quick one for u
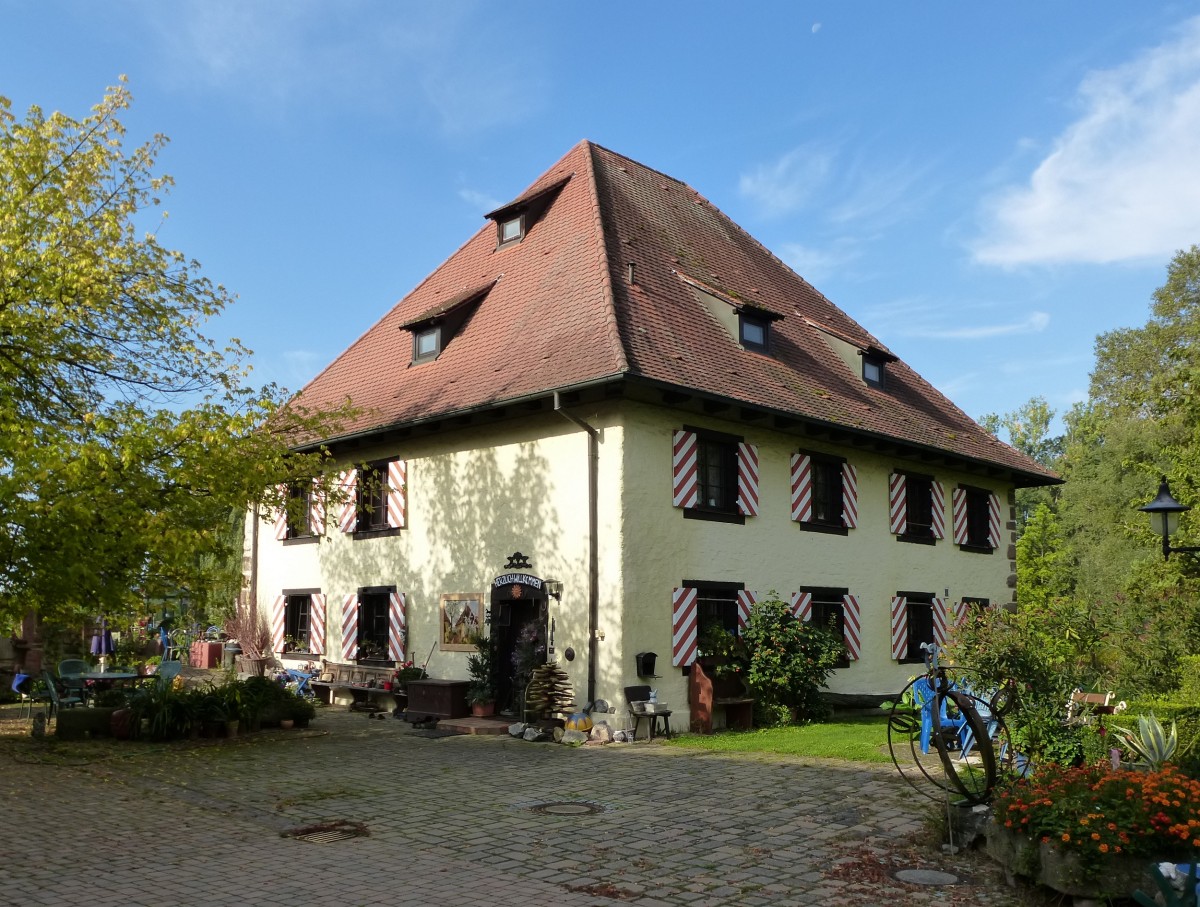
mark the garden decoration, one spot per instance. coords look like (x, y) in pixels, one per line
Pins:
(942, 710)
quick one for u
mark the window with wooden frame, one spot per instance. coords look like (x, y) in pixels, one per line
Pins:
(299, 510)
(510, 230)
(714, 476)
(917, 507)
(828, 610)
(377, 497)
(297, 622)
(920, 619)
(824, 493)
(873, 370)
(754, 331)
(373, 605)
(976, 519)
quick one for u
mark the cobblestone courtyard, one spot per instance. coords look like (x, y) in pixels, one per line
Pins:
(459, 821)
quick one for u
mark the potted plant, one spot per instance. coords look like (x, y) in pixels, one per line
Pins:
(254, 636)
(405, 672)
(481, 693)
(298, 710)
(372, 653)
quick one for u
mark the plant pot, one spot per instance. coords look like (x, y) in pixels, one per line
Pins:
(1116, 875)
(122, 724)
(483, 709)
(231, 728)
(287, 723)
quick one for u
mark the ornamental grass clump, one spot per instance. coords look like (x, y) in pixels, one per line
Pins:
(1096, 811)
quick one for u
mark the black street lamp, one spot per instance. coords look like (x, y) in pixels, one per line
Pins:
(1164, 513)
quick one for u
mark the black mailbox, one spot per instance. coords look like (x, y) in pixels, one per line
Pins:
(645, 663)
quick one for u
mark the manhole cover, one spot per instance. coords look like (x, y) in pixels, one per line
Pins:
(568, 808)
(327, 832)
(925, 877)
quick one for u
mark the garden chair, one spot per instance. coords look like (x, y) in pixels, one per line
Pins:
(637, 697)
(29, 689)
(69, 670)
(58, 699)
(300, 681)
(966, 736)
(924, 698)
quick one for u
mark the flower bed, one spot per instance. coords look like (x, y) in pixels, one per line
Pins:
(1065, 825)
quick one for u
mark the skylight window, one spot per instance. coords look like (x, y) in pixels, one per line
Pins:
(427, 343)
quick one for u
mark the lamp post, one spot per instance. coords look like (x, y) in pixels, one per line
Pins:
(1164, 513)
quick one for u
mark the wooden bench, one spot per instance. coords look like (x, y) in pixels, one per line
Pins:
(1083, 707)
(729, 694)
(364, 683)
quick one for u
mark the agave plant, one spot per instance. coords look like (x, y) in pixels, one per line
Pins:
(1151, 744)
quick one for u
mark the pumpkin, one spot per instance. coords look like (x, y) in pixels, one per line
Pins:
(579, 721)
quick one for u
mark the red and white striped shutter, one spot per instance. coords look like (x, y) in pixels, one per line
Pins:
(316, 624)
(958, 509)
(853, 626)
(348, 518)
(281, 526)
(683, 626)
(747, 498)
(316, 510)
(397, 496)
(960, 613)
(397, 626)
(685, 470)
(802, 606)
(849, 496)
(350, 627)
(938, 496)
(801, 488)
(745, 601)
(899, 627)
(898, 503)
(278, 622)
(993, 521)
(939, 621)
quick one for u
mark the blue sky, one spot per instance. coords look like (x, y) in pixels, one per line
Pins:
(985, 187)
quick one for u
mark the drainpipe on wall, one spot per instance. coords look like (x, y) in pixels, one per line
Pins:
(593, 540)
(254, 568)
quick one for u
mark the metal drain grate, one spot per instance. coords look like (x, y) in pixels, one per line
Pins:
(327, 832)
(568, 808)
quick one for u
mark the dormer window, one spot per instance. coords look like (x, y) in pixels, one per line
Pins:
(872, 370)
(427, 343)
(754, 331)
(512, 229)
(434, 328)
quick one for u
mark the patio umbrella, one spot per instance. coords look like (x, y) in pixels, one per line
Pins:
(102, 643)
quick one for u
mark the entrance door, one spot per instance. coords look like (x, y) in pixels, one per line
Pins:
(519, 634)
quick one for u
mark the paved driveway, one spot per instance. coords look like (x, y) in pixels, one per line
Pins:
(458, 821)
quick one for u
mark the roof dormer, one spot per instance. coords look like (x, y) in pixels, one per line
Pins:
(514, 220)
(434, 328)
(748, 324)
(867, 361)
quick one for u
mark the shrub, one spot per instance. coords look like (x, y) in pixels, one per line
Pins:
(784, 661)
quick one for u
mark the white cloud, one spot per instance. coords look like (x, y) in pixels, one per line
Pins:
(786, 186)
(481, 201)
(1034, 324)
(1120, 183)
(816, 27)
(817, 265)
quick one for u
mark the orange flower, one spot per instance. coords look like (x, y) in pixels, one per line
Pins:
(1066, 836)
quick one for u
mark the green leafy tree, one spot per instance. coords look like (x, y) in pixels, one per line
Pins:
(1027, 428)
(1044, 571)
(127, 436)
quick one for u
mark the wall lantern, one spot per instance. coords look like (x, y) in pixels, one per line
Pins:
(1164, 513)
(554, 589)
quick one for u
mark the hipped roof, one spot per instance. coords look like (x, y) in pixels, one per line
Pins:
(560, 312)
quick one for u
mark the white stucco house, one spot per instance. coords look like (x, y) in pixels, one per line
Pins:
(613, 379)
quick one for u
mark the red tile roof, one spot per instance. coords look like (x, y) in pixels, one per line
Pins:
(563, 313)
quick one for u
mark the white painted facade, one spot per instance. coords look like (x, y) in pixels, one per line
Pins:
(477, 495)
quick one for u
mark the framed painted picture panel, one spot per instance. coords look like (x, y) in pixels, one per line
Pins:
(462, 620)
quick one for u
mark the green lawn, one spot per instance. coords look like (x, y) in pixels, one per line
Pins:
(856, 740)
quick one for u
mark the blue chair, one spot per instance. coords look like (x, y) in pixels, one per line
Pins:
(966, 736)
(29, 690)
(924, 697)
(301, 681)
